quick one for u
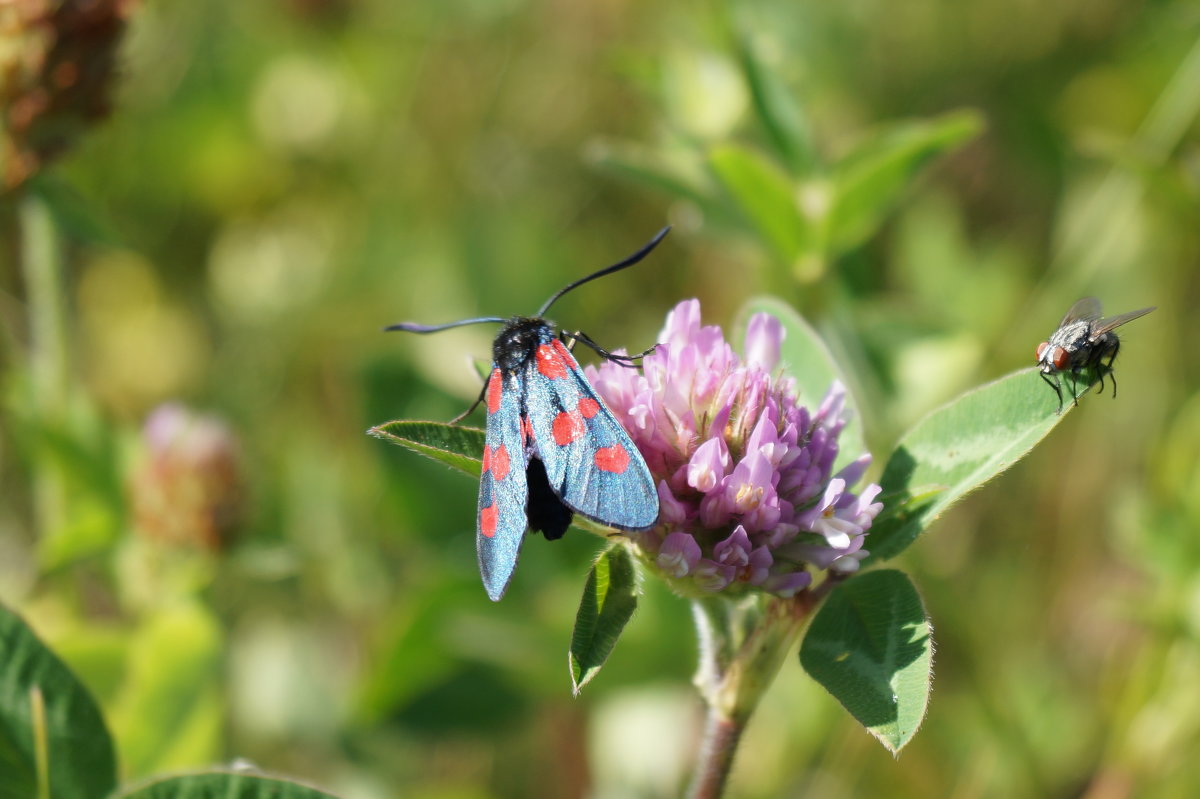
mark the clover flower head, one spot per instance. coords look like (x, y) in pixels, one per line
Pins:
(745, 475)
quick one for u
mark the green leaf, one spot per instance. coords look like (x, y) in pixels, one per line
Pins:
(223, 785)
(957, 448)
(458, 447)
(781, 117)
(871, 646)
(805, 357)
(870, 180)
(169, 713)
(78, 752)
(766, 197)
(609, 600)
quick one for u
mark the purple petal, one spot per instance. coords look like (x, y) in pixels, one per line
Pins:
(709, 463)
(764, 335)
(734, 550)
(679, 554)
(787, 585)
(711, 576)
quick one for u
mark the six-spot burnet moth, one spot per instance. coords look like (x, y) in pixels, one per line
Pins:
(552, 448)
(1083, 340)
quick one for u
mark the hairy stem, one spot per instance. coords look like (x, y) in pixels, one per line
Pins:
(721, 737)
(742, 646)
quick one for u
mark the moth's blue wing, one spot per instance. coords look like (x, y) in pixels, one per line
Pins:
(500, 524)
(591, 463)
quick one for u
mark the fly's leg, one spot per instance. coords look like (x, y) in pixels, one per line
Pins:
(1106, 369)
(1111, 358)
(1054, 384)
(1075, 386)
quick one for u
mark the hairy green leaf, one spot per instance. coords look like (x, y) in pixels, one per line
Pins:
(609, 600)
(871, 646)
(957, 448)
(223, 785)
(458, 447)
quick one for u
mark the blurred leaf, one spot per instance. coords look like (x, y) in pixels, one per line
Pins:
(80, 452)
(472, 699)
(458, 447)
(222, 785)
(609, 600)
(870, 180)
(780, 115)
(956, 449)
(79, 751)
(806, 358)
(766, 198)
(412, 654)
(871, 646)
(169, 713)
(73, 214)
(656, 169)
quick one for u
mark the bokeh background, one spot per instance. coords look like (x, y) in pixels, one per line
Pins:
(192, 516)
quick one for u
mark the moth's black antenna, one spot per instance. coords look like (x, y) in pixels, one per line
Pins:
(413, 327)
(630, 261)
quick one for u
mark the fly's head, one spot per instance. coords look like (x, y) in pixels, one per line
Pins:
(1052, 357)
(1066, 348)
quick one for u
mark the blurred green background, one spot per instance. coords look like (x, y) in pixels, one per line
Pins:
(279, 180)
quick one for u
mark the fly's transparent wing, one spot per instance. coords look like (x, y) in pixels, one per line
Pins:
(1085, 310)
(1105, 325)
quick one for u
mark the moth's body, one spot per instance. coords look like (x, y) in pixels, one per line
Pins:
(517, 342)
(552, 448)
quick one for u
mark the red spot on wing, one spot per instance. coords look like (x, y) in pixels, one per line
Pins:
(487, 457)
(500, 462)
(550, 362)
(568, 427)
(588, 407)
(487, 520)
(613, 459)
(561, 350)
(494, 389)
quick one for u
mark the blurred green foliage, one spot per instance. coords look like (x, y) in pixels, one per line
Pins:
(280, 180)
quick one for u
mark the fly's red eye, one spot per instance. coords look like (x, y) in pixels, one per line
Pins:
(1042, 348)
(1059, 358)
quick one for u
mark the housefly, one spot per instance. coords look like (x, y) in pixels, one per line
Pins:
(1083, 340)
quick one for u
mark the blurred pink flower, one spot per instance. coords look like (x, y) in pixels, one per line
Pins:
(186, 489)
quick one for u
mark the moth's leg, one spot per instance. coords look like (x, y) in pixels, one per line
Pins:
(474, 405)
(620, 360)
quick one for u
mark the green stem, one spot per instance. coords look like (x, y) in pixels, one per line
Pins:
(41, 262)
(742, 647)
(41, 748)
